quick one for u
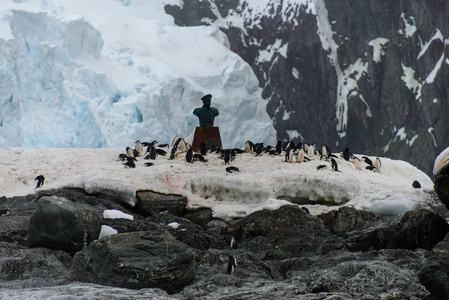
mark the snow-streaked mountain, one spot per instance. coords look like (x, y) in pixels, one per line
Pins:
(106, 73)
(368, 75)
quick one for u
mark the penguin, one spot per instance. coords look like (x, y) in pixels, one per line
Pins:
(230, 240)
(130, 164)
(306, 147)
(258, 148)
(163, 146)
(249, 147)
(321, 167)
(202, 148)
(278, 147)
(40, 181)
(377, 164)
(289, 155)
(122, 156)
(416, 184)
(129, 152)
(138, 148)
(149, 164)
(189, 156)
(334, 165)
(357, 164)
(231, 265)
(300, 156)
(346, 154)
(232, 169)
(311, 151)
(199, 157)
(161, 152)
(325, 151)
(367, 160)
(152, 155)
(182, 146)
(227, 156)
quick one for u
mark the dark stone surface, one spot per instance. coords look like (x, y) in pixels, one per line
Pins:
(59, 224)
(434, 274)
(136, 260)
(282, 233)
(442, 185)
(303, 81)
(149, 202)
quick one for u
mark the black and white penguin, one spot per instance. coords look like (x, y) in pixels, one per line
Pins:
(249, 147)
(199, 157)
(129, 152)
(232, 169)
(311, 151)
(227, 156)
(130, 164)
(367, 160)
(279, 147)
(357, 164)
(232, 264)
(122, 156)
(300, 156)
(138, 148)
(377, 164)
(189, 156)
(334, 165)
(346, 154)
(152, 155)
(325, 151)
(149, 164)
(182, 146)
(289, 156)
(40, 181)
(161, 152)
(321, 167)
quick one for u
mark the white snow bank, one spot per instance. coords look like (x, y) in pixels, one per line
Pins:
(264, 182)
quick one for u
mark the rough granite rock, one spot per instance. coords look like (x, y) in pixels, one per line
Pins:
(59, 224)
(149, 202)
(442, 185)
(434, 274)
(136, 260)
(282, 233)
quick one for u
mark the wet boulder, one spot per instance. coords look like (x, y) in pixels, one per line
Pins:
(149, 259)
(60, 224)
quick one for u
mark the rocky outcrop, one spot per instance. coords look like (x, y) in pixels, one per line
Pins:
(364, 231)
(283, 253)
(364, 75)
(286, 232)
(59, 224)
(434, 274)
(150, 202)
(136, 260)
(442, 185)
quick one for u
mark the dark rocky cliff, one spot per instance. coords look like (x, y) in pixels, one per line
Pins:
(368, 75)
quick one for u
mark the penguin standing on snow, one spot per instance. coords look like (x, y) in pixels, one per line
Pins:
(347, 154)
(334, 165)
(40, 181)
(129, 152)
(189, 156)
(231, 265)
(300, 157)
(357, 164)
(377, 164)
(139, 147)
(227, 156)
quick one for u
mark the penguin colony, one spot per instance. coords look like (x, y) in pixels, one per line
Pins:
(291, 152)
(288, 152)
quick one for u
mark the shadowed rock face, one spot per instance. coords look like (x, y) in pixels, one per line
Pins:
(377, 84)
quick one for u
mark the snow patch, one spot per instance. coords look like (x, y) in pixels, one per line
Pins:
(106, 230)
(441, 161)
(378, 45)
(116, 214)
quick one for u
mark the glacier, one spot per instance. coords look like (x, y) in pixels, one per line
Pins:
(103, 74)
